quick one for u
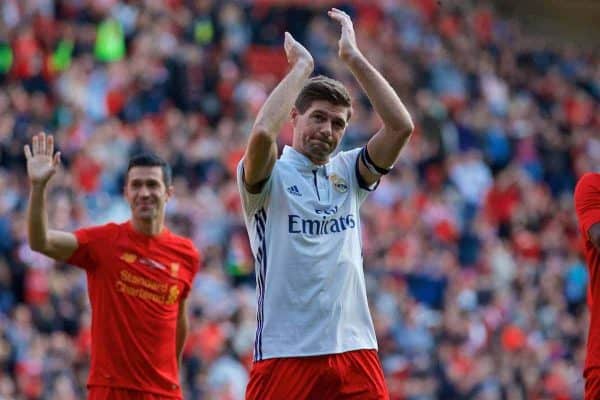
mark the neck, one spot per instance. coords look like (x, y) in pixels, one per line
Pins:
(149, 227)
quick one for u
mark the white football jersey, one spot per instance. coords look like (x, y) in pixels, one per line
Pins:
(304, 230)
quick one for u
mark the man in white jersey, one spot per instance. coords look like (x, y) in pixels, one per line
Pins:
(315, 338)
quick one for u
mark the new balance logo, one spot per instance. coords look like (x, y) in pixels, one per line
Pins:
(294, 190)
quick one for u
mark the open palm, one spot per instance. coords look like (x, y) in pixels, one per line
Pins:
(42, 163)
(347, 43)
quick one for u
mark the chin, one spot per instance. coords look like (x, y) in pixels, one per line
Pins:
(319, 151)
(146, 216)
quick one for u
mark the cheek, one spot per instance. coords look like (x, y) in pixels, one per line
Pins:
(310, 131)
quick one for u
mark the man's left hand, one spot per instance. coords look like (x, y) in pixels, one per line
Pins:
(348, 49)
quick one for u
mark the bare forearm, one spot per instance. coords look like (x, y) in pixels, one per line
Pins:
(55, 244)
(276, 109)
(181, 335)
(383, 97)
(37, 219)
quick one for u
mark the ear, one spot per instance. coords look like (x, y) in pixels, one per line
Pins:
(170, 191)
(294, 115)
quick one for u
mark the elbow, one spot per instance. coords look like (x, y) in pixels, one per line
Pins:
(261, 138)
(38, 247)
(262, 130)
(408, 129)
(404, 130)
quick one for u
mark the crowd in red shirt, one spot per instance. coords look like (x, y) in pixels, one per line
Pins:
(471, 248)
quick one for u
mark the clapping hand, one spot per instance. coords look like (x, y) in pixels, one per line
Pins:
(348, 49)
(296, 53)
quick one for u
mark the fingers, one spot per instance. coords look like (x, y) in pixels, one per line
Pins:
(27, 151)
(49, 145)
(35, 145)
(56, 159)
(340, 16)
(42, 143)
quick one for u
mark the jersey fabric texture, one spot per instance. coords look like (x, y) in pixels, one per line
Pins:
(304, 230)
(109, 393)
(352, 375)
(587, 207)
(135, 285)
(592, 387)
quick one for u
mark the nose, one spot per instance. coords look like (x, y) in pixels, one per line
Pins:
(326, 130)
(144, 191)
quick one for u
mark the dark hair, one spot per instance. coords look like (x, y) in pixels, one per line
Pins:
(151, 160)
(323, 88)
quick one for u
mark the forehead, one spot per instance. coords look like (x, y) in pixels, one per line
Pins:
(332, 109)
(145, 173)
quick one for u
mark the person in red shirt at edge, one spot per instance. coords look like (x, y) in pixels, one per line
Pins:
(138, 273)
(587, 207)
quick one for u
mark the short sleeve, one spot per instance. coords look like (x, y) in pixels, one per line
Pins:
(587, 202)
(195, 263)
(349, 163)
(252, 202)
(89, 240)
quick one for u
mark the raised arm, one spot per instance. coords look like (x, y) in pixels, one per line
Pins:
(261, 152)
(384, 147)
(41, 166)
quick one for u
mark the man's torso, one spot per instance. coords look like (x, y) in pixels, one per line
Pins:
(135, 286)
(305, 234)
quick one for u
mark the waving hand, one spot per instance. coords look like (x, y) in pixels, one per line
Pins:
(42, 163)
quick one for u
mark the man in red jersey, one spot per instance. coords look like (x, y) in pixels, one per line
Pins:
(587, 206)
(139, 275)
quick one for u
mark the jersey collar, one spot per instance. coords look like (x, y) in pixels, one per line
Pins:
(145, 238)
(299, 160)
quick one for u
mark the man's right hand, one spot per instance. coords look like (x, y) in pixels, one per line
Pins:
(296, 53)
(42, 163)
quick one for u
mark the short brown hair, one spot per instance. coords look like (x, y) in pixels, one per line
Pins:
(151, 160)
(323, 88)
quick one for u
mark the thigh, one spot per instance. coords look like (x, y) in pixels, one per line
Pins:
(362, 376)
(297, 378)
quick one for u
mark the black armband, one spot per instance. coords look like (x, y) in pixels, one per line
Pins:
(366, 159)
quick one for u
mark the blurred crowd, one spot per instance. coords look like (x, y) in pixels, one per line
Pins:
(472, 255)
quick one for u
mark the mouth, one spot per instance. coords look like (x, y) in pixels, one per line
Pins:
(321, 142)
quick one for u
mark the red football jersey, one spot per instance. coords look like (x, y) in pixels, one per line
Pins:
(587, 206)
(135, 285)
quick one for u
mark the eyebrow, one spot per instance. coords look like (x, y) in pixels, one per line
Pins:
(146, 180)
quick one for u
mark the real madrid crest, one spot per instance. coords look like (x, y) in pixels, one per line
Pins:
(338, 183)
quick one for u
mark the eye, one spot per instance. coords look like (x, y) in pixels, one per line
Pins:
(319, 118)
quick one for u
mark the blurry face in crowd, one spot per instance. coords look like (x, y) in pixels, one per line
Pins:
(318, 131)
(146, 193)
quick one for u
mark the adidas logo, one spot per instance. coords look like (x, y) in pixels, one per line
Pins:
(294, 190)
